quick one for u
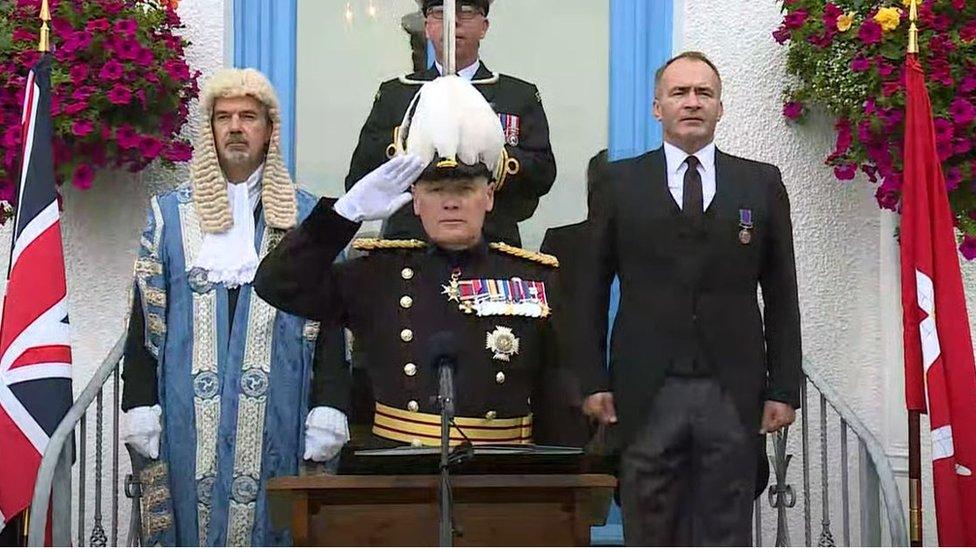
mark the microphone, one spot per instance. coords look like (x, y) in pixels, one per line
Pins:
(442, 356)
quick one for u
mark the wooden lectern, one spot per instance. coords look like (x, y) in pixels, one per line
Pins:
(489, 509)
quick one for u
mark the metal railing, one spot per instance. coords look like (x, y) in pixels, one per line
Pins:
(54, 482)
(875, 478)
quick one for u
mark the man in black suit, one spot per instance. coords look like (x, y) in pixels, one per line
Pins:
(696, 370)
(529, 168)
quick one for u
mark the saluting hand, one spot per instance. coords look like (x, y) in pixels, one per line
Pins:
(776, 415)
(382, 191)
(599, 406)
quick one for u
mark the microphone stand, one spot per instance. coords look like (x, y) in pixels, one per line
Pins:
(446, 399)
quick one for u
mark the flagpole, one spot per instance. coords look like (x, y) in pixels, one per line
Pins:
(914, 432)
(449, 37)
(43, 46)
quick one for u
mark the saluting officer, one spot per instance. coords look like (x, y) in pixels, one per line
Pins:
(499, 301)
(529, 168)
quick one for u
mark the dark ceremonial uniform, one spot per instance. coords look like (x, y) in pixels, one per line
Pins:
(499, 301)
(530, 168)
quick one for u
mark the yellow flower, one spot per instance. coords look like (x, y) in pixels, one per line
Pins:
(844, 22)
(888, 18)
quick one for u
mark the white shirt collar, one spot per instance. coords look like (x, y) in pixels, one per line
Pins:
(676, 157)
(253, 183)
(467, 72)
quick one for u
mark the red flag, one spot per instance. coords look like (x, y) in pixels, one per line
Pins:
(938, 347)
(35, 351)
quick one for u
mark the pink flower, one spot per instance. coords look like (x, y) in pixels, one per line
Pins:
(145, 57)
(968, 83)
(968, 247)
(845, 172)
(944, 129)
(796, 19)
(11, 137)
(959, 4)
(178, 152)
(120, 95)
(793, 110)
(830, 15)
(126, 27)
(77, 41)
(112, 7)
(127, 49)
(887, 197)
(961, 146)
(83, 93)
(942, 43)
(23, 35)
(151, 77)
(72, 109)
(781, 35)
(968, 32)
(78, 74)
(176, 69)
(97, 25)
(83, 176)
(844, 136)
(127, 137)
(82, 128)
(884, 69)
(891, 88)
(860, 63)
(821, 40)
(112, 70)
(953, 178)
(870, 32)
(962, 112)
(150, 147)
(61, 26)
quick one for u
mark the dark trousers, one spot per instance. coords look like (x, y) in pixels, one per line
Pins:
(688, 476)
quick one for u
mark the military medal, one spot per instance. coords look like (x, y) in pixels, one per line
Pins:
(503, 343)
(499, 297)
(451, 288)
(745, 226)
(511, 125)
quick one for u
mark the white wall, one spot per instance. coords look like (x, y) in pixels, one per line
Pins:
(560, 45)
(101, 230)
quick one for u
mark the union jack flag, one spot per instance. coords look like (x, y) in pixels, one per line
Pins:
(35, 351)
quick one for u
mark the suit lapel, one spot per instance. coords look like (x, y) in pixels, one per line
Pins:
(725, 186)
(487, 90)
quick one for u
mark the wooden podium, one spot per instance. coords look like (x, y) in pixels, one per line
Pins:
(496, 509)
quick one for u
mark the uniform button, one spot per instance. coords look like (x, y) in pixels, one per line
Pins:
(500, 377)
(410, 369)
(406, 335)
(406, 273)
(406, 302)
(413, 406)
(491, 414)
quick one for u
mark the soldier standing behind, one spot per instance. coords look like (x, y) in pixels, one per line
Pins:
(529, 165)
(499, 301)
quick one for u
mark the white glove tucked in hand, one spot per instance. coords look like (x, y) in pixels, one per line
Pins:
(382, 191)
(326, 431)
(141, 427)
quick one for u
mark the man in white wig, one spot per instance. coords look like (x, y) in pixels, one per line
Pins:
(497, 306)
(216, 379)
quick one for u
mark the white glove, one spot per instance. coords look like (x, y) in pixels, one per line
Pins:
(141, 428)
(326, 431)
(382, 191)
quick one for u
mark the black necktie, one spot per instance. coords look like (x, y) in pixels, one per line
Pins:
(692, 202)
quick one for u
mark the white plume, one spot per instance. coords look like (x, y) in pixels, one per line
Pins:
(453, 120)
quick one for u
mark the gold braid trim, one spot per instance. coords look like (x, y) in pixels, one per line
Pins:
(545, 259)
(382, 244)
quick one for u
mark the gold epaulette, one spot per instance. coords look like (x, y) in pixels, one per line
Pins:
(383, 244)
(545, 259)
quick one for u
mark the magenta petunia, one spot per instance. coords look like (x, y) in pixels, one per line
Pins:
(821, 40)
(845, 172)
(845, 136)
(98, 25)
(795, 19)
(176, 69)
(11, 137)
(82, 128)
(968, 247)
(962, 112)
(968, 32)
(968, 83)
(23, 35)
(127, 49)
(83, 176)
(120, 95)
(830, 15)
(145, 57)
(112, 70)
(78, 74)
(75, 107)
(860, 63)
(793, 110)
(962, 145)
(127, 27)
(953, 178)
(83, 93)
(887, 197)
(126, 137)
(178, 152)
(870, 32)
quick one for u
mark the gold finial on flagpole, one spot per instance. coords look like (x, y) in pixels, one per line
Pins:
(913, 29)
(44, 44)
